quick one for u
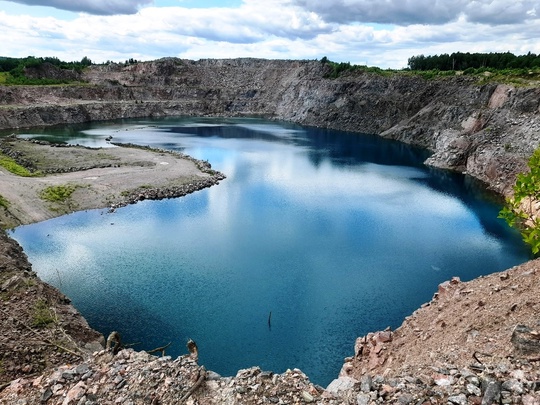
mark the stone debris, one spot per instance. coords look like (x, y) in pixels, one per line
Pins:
(166, 192)
(526, 340)
(474, 343)
(133, 377)
(372, 347)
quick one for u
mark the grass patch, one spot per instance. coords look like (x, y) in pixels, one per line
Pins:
(42, 314)
(3, 202)
(58, 194)
(12, 166)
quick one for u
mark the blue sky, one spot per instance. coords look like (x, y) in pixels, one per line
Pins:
(382, 33)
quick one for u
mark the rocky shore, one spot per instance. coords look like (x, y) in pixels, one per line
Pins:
(98, 177)
(440, 355)
(476, 342)
(138, 378)
(471, 124)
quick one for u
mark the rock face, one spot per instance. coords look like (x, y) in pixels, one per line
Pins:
(39, 327)
(486, 130)
(474, 343)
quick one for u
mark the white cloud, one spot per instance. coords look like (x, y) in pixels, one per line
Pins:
(384, 11)
(343, 30)
(496, 12)
(405, 12)
(100, 7)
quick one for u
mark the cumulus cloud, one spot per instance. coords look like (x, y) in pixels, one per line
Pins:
(99, 7)
(244, 25)
(501, 11)
(279, 29)
(406, 12)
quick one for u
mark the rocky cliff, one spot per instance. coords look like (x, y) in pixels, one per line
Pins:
(487, 130)
(474, 343)
(38, 325)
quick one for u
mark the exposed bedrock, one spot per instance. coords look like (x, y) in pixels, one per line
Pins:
(487, 131)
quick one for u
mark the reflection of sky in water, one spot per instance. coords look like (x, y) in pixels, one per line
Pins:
(337, 234)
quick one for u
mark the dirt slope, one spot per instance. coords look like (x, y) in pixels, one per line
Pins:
(463, 320)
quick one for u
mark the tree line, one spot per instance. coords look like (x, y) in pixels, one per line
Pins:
(13, 70)
(17, 65)
(464, 61)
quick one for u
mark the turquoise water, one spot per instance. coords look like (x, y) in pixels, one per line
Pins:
(336, 234)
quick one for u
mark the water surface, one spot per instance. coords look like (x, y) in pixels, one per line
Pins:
(336, 234)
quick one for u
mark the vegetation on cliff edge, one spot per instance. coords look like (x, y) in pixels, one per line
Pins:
(521, 211)
(459, 61)
(14, 70)
(3, 202)
(504, 68)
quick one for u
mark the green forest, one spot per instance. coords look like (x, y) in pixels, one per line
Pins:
(463, 61)
(12, 70)
(13, 65)
(487, 66)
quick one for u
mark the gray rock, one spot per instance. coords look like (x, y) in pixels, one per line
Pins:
(12, 283)
(307, 397)
(69, 374)
(460, 399)
(405, 399)
(341, 384)
(473, 380)
(525, 340)
(378, 379)
(47, 394)
(212, 375)
(363, 399)
(474, 390)
(492, 392)
(82, 369)
(366, 383)
(514, 386)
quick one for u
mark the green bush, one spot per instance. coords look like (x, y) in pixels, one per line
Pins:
(25, 81)
(58, 193)
(338, 68)
(13, 70)
(3, 202)
(42, 314)
(519, 210)
(12, 166)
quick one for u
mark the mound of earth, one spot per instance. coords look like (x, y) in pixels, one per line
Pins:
(465, 323)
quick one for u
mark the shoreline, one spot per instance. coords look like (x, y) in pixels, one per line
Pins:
(428, 341)
(487, 131)
(39, 328)
(99, 178)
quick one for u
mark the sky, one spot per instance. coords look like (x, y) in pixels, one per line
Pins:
(383, 33)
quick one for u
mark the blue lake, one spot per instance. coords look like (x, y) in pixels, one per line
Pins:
(336, 234)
